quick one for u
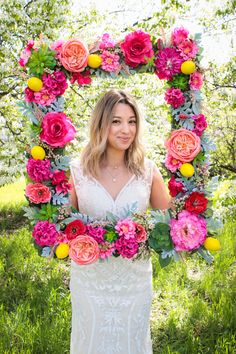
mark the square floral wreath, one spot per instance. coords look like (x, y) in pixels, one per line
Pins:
(61, 231)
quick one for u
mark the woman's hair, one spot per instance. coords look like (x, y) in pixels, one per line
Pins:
(95, 151)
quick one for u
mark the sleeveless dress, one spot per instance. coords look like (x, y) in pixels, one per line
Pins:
(111, 299)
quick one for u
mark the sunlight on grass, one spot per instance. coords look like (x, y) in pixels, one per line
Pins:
(12, 194)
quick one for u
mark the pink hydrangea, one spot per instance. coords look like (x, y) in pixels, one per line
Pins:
(168, 63)
(174, 97)
(110, 61)
(172, 163)
(96, 232)
(45, 233)
(38, 193)
(55, 83)
(106, 42)
(106, 249)
(127, 248)
(126, 228)
(44, 97)
(200, 124)
(196, 81)
(188, 49)
(175, 187)
(60, 180)
(38, 170)
(179, 35)
(188, 232)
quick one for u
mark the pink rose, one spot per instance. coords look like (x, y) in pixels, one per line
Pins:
(137, 48)
(57, 129)
(38, 193)
(84, 250)
(183, 145)
(74, 55)
(141, 234)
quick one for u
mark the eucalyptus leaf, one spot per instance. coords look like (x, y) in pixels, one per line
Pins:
(206, 255)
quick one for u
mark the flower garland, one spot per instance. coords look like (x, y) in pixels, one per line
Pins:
(57, 230)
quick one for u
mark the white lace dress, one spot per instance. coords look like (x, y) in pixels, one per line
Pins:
(111, 300)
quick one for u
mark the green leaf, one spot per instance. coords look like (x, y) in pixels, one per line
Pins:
(164, 261)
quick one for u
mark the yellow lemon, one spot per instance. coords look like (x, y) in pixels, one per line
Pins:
(188, 67)
(212, 244)
(187, 170)
(37, 152)
(35, 84)
(62, 250)
(94, 61)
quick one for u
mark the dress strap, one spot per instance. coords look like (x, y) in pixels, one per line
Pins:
(149, 169)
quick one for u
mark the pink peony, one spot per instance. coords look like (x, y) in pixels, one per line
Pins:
(188, 49)
(74, 55)
(96, 232)
(106, 249)
(106, 42)
(141, 234)
(57, 129)
(200, 124)
(39, 170)
(196, 81)
(44, 97)
(175, 187)
(171, 163)
(168, 63)
(137, 48)
(110, 61)
(188, 232)
(38, 193)
(55, 83)
(82, 79)
(60, 180)
(183, 145)
(174, 97)
(179, 35)
(45, 234)
(127, 248)
(84, 250)
(126, 228)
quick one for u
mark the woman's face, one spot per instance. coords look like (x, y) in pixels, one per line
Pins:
(123, 127)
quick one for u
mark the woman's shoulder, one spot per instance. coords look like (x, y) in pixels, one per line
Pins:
(149, 164)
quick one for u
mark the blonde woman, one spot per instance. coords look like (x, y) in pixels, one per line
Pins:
(111, 300)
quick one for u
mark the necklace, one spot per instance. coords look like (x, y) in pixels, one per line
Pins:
(114, 177)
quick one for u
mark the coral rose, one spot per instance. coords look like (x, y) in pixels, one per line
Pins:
(84, 250)
(137, 48)
(183, 145)
(74, 55)
(38, 193)
(57, 129)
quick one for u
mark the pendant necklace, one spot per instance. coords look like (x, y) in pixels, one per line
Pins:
(114, 178)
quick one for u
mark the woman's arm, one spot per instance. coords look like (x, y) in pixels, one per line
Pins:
(160, 197)
(73, 197)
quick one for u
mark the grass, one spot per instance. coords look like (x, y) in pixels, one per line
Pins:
(193, 308)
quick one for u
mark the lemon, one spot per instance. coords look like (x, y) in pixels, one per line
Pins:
(187, 170)
(62, 250)
(94, 61)
(35, 84)
(188, 67)
(212, 244)
(37, 152)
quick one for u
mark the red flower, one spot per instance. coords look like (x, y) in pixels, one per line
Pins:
(60, 180)
(175, 187)
(137, 48)
(82, 79)
(196, 203)
(74, 229)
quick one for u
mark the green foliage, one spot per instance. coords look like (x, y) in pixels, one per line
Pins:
(41, 59)
(179, 81)
(159, 238)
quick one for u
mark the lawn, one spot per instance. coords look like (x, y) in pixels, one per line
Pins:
(193, 310)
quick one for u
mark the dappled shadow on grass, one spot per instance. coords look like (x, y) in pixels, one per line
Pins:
(12, 218)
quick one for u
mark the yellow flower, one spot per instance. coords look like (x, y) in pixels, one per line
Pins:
(94, 61)
(37, 152)
(35, 84)
(62, 250)
(212, 244)
(188, 67)
(187, 170)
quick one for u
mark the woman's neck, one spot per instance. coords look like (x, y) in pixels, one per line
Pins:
(114, 158)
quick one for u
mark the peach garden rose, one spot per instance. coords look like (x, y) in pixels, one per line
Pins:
(183, 145)
(84, 250)
(74, 55)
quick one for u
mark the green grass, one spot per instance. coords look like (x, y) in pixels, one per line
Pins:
(193, 309)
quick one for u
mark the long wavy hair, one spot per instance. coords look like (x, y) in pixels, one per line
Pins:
(95, 151)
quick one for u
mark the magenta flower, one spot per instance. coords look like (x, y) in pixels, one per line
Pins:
(96, 232)
(44, 97)
(172, 163)
(174, 97)
(29, 95)
(110, 61)
(188, 232)
(106, 42)
(168, 63)
(200, 124)
(38, 193)
(39, 170)
(57, 46)
(179, 35)
(127, 248)
(126, 228)
(106, 249)
(55, 83)
(82, 79)
(196, 81)
(45, 234)
(188, 49)
(60, 180)
(175, 187)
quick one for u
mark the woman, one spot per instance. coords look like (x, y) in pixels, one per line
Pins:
(111, 300)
